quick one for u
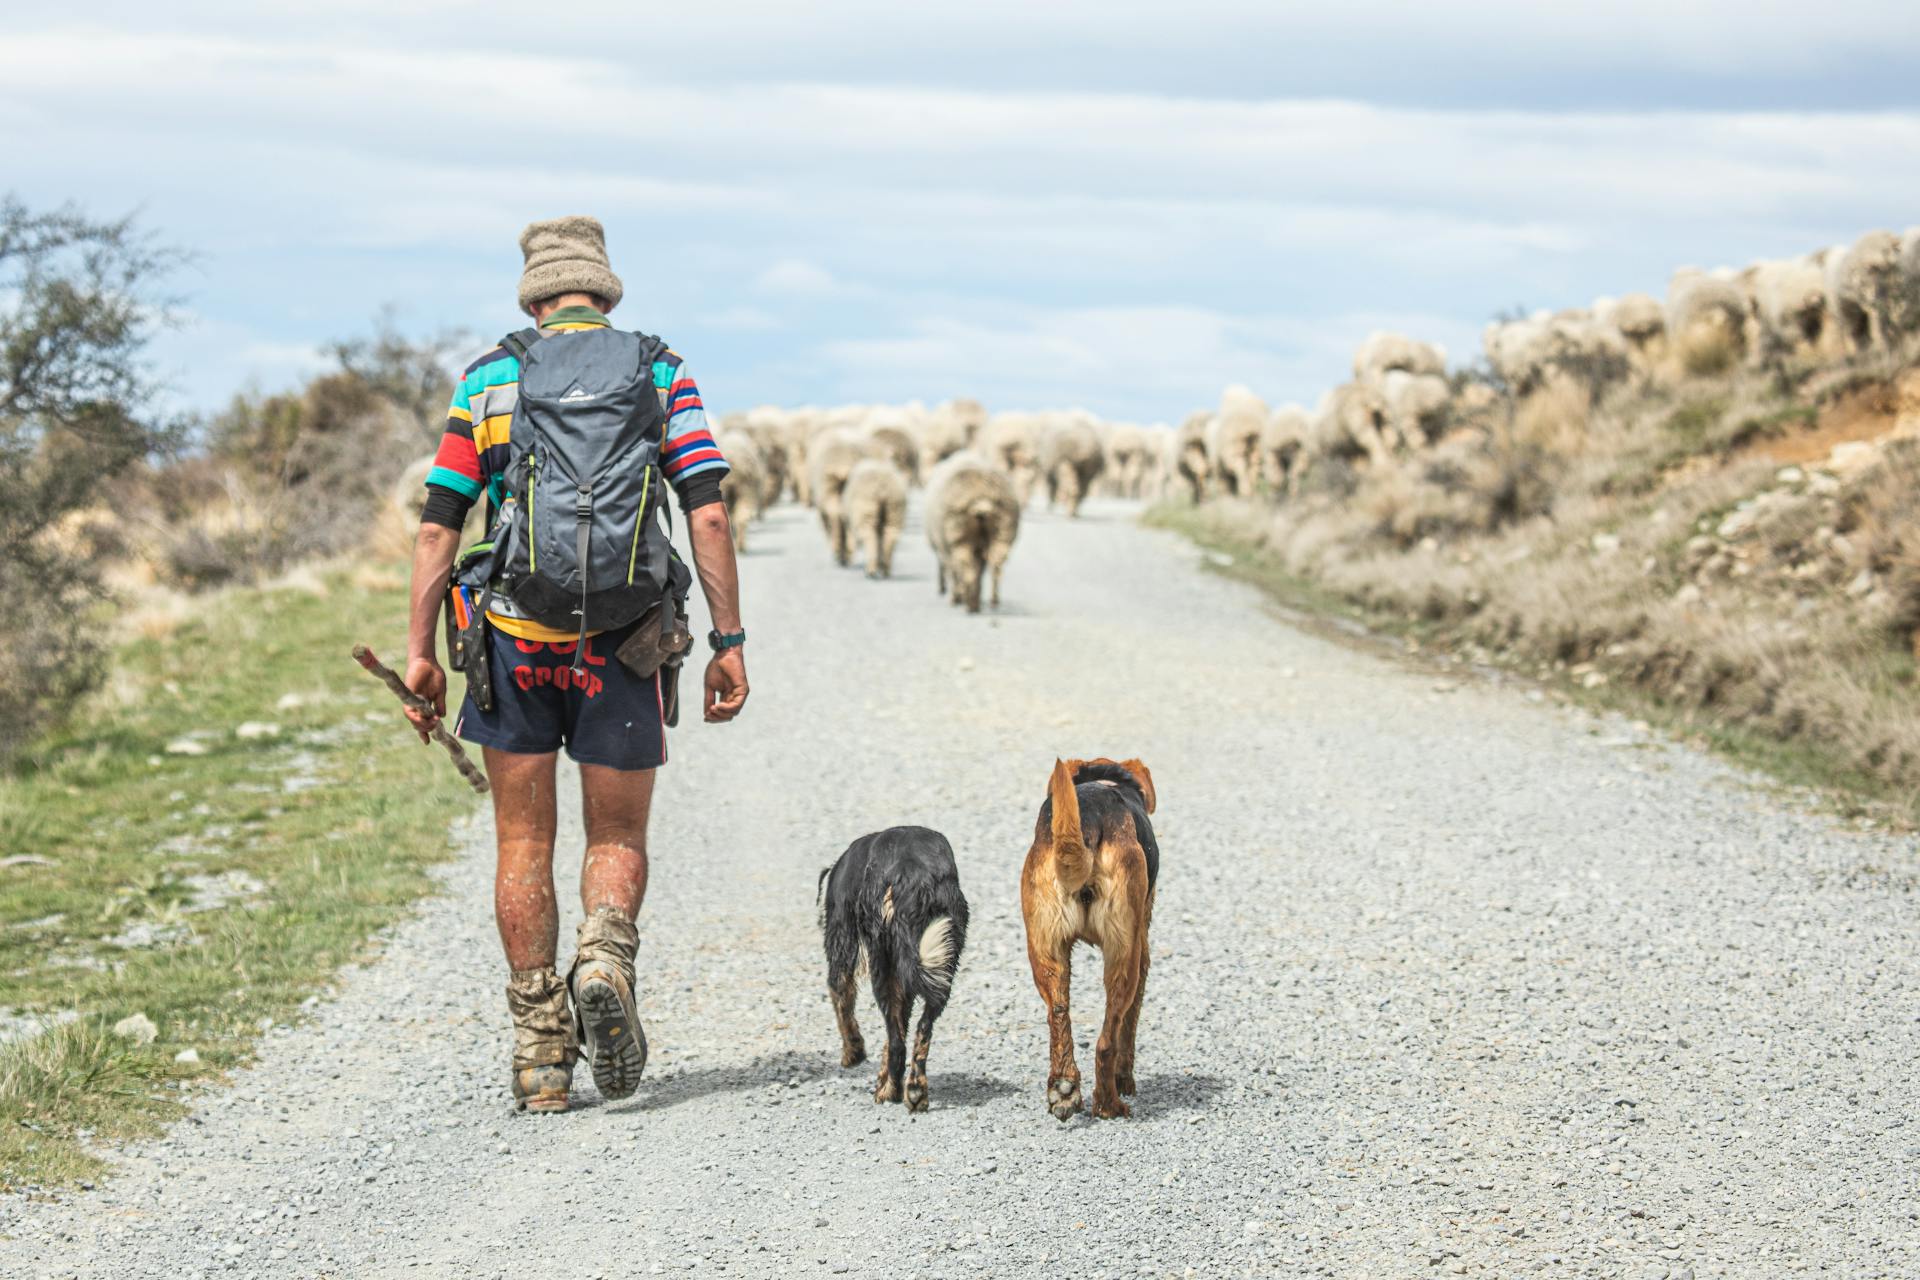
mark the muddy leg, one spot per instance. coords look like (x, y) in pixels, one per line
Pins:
(843, 960)
(895, 1008)
(917, 1070)
(1123, 983)
(1053, 977)
(889, 536)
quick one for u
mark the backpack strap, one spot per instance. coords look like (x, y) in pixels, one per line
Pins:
(519, 342)
(652, 347)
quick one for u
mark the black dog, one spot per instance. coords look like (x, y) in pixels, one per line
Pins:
(895, 893)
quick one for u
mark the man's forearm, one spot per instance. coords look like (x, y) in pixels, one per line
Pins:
(434, 548)
(713, 558)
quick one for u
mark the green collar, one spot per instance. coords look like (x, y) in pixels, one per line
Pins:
(579, 313)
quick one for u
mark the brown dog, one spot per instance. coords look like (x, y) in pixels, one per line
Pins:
(1090, 877)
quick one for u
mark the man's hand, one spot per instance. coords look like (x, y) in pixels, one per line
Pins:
(425, 678)
(726, 685)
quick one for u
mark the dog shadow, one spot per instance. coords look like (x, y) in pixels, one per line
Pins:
(966, 1089)
(1175, 1093)
(957, 1089)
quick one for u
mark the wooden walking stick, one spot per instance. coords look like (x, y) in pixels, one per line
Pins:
(414, 702)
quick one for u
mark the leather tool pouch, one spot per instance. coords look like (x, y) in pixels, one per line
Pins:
(659, 643)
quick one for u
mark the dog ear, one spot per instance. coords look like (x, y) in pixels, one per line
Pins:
(1145, 779)
(1073, 767)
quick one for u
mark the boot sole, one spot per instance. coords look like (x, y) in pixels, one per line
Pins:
(615, 1042)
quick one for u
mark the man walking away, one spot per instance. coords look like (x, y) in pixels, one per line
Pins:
(564, 614)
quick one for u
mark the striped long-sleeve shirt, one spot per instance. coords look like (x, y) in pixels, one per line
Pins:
(473, 454)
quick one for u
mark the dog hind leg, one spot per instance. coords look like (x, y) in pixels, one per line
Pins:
(840, 986)
(896, 1006)
(1123, 947)
(1130, 1027)
(930, 1010)
(1053, 977)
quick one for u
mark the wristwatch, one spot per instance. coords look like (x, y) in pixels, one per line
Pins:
(732, 639)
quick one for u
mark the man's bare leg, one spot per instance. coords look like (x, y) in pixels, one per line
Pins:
(524, 822)
(528, 918)
(616, 803)
(613, 882)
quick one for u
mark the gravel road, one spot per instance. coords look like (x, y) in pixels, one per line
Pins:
(1446, 981)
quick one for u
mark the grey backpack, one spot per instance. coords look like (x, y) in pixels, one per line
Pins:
(577, 544)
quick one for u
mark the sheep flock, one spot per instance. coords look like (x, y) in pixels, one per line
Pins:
(855, 464)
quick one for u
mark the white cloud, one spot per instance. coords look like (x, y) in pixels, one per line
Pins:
(940, 222)
(795, 277)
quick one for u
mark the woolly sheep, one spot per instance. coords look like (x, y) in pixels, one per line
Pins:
(1641, 323)
(874, 504)
(1233, 440)
(1517, 350)
(1129, 458)
(743, 488)
(1070, 459)
(973, 516)
(1188, 465)
(1862, 289)
(833, 456)
(1282, 442)
(890, 435)
(1351, 424)
(1706, 320)
(769, 436)
(1416, 405)
(1384, 352)
(951, 427)
(1789, 303)
(1013, 445)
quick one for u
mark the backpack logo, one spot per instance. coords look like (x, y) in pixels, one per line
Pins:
(576, 394)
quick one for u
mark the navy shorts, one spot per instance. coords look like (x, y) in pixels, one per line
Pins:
(604, 715)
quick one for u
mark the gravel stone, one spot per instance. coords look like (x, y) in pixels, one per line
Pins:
(1425, 969)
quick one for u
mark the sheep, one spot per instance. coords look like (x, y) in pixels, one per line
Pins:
(874, 504)
(1188, 463)
(973, 515)
(1906, 302)
(1641, 323)
(1706, 321)
(832, 457)
(768, 427)
(744, 488)
(1233, 440)
(951, 427)
(1013, 445)
(1350, 424)
(1417, 405)
(1070, 459)
(1282, 443)
(1129, 458)
(889, 436)
(1862, 289)
(1788, 299)
(1384, 352)
(1517, 350)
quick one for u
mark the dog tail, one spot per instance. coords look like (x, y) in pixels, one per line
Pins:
(937, 947)
(1071, 862)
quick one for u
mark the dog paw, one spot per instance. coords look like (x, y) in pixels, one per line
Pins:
(1110, 1108)
(886, 1089)
(853, 1055)
(916, 1095)
(1063, 1097)
(1123, 1083)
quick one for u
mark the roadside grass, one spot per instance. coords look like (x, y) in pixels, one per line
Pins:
(1811, 774)
(211, 891)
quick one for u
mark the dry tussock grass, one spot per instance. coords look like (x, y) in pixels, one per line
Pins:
(1650, 541)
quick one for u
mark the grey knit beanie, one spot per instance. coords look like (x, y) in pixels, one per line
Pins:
(566, 255)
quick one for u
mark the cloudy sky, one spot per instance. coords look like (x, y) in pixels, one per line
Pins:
(1120, 205)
